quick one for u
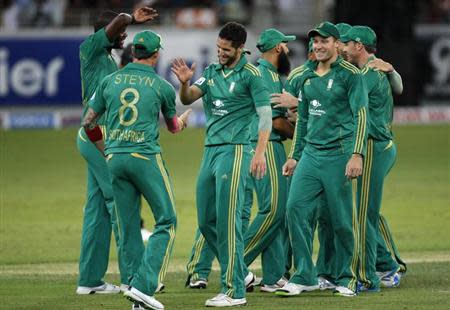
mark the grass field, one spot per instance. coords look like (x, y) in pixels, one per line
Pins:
(42, 192)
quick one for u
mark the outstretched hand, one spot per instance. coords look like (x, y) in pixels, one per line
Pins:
(182, 71)
(183, 118)
(144, 14)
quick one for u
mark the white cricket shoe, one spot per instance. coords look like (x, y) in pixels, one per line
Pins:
(223, 300)
(124, 287)
(199, 283)
(249, 282)
(145, 301)
(292, 289)
(343, 291)
(325, 284)
(272, 288)
(105, 288)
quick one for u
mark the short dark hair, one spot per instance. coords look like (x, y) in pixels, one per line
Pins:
(140, 52)
(370, 49)
(104, 19)
(235, 33)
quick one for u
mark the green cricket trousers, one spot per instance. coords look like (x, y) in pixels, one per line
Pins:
(317, 175)
(220, 197)
(378, 162)
(99, 218)
(133, 174)
(265, 234)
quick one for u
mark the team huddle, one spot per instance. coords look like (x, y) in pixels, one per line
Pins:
(337, 108)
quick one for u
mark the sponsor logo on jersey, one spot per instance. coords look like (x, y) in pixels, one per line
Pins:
(211, 82)
(218, 108)
(314, 108)
(232, 85)
(200, 81)
(330, 84)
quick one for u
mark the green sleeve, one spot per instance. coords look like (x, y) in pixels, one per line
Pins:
(97, 101)
(202, 82)
(358, 98)
(95, 44)
(168, 103)
(298, 141)
(258, 90)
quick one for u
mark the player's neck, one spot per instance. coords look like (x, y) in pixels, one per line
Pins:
(271, 58)
(324, 66)
(234, 63)
(149, 62)
(363, 59)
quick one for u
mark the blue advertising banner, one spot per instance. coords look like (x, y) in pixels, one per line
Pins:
(37, 71)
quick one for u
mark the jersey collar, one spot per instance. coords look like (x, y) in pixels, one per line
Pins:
(236, 68)
(138, 66)
(267, 64)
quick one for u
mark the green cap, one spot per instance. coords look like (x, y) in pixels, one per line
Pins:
(325, 29)
(361, 34)
(343, 28)
(269, 38)
(148, 42)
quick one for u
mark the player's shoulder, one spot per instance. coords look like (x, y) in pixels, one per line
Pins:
(296, 71)
(251, 69)
(348, 68)
(166, 85)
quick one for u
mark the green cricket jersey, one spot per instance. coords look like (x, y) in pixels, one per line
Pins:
(381, 104)
(96, 63)
(132, 98)
(274, 85)
(293, 86)
(233, 96)
(332, 112)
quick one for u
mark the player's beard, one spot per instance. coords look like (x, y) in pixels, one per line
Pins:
(284, 64)
(231, 59)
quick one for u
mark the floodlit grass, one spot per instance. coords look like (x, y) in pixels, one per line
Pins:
(42, 193)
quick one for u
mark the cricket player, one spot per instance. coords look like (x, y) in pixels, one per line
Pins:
(360, 47)
(99, 217)
(265, 234)
(329, 144)
(131, 100)
(235, 92)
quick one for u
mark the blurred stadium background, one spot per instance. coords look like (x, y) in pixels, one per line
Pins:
(42, 177)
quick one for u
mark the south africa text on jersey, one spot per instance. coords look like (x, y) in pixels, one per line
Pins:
(126, 135)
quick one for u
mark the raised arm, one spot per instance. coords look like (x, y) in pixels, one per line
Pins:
(121, 21)
(188, 93)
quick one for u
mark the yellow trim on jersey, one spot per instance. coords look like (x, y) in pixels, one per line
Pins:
(365, 70)
(296, 70)
(198, 247)
(137, 155)
(252, 69)
(297, 75)
(232, 216)
(360, 131)
(227, 74)
(275, 76)
(349, 67)
(273, 176)
(354, 265)
(80, 135)
(109, 157)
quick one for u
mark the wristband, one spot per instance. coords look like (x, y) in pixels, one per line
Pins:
(94, 134)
